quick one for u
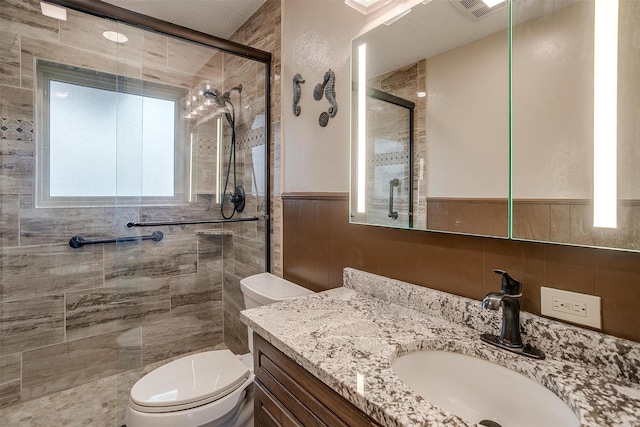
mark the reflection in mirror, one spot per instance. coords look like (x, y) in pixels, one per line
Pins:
(558, 71)
(389, 193)
(452, 63)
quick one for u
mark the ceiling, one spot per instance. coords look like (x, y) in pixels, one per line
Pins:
(220, 18)
(437, 27)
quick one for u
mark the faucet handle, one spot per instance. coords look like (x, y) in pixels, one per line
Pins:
(510, 286)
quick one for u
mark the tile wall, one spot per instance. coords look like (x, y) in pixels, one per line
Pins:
(262, 31)
(103, 309)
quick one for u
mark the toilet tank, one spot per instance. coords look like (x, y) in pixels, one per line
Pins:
(265, 288)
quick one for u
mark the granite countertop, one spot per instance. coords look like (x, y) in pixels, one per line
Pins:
(357, 331)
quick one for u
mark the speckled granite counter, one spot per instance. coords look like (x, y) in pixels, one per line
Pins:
(359, 329)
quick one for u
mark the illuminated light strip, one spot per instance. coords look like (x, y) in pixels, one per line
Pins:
(362, 125)
(605, 114)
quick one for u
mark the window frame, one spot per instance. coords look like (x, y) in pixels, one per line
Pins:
(47, 71)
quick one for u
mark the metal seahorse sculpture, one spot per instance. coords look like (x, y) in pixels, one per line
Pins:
(319, 89)
(297, 93)
(330, 92)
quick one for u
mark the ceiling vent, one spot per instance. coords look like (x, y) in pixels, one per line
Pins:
(475, 9)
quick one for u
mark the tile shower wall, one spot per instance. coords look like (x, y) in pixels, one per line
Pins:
(102, 309)
(261, 31)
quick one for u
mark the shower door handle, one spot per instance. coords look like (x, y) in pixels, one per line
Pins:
(393, 183)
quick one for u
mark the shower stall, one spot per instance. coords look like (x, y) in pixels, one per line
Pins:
(135, 194)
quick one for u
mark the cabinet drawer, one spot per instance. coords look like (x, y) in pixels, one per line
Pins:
(269, 412)
(309, 400)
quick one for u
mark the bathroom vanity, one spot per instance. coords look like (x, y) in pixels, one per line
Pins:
(326, 359)
(285, 393)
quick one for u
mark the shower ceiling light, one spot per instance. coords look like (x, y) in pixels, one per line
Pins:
(53, 11)
(366, 6)
(115, 37)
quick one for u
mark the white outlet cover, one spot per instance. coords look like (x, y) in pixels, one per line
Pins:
(593, 317)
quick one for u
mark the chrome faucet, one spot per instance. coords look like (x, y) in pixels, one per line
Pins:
(510, 299)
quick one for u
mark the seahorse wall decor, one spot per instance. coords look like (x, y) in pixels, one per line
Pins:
(297, 93)
(319, 89)
(328, 86)
(330, 92)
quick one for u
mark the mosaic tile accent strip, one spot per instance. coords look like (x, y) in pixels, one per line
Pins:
(16, 130)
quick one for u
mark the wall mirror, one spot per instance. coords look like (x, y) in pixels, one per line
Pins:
(576, 162)
(450, 59)
(454, 65)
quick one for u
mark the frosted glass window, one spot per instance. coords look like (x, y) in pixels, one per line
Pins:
(104, 144)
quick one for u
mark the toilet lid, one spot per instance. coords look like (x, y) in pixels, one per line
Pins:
(201, 377)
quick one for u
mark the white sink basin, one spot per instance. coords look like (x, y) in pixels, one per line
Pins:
(477, 390)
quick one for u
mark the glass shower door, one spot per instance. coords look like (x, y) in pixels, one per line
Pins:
(389, 145)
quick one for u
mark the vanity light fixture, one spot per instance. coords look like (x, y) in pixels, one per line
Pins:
(366, 6)
(53, 11)
(114, 36)
(605, 113)
(362, 125)
(491, 3)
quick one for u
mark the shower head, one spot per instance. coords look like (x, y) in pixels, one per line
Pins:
(221, 99)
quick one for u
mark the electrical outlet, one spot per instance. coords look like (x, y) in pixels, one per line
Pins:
(571, 306)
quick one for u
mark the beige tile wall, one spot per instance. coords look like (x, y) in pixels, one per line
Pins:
(103, 309)
(261, 31)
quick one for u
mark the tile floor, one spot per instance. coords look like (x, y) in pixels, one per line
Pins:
(99, 403)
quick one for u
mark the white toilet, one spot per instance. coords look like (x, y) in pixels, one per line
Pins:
(207, 389)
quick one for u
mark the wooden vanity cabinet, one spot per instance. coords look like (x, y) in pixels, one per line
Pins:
(285, 394)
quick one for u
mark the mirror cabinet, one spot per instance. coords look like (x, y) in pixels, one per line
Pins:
(505, 139)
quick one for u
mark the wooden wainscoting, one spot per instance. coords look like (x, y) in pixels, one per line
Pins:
(318, 242)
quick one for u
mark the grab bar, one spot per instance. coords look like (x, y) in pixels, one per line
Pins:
(210, 221)
(79, 241)
(393, 183)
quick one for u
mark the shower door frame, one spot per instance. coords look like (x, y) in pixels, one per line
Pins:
(115, 13)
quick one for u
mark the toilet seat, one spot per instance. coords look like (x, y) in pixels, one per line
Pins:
(189, 382)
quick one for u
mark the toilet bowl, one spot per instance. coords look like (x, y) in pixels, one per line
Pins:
(208, 389)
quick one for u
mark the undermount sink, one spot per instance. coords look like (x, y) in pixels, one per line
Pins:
(482, 392)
